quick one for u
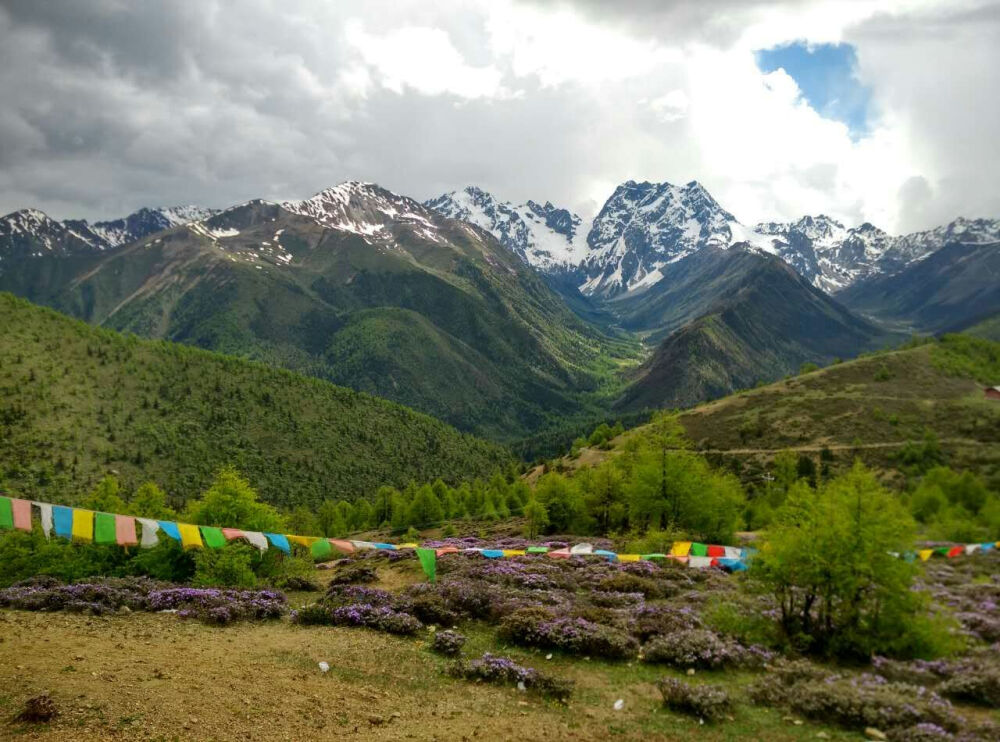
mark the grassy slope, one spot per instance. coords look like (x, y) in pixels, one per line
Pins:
(767, 325)
(76, 402)
(260, 681)
(456, 328)
(843, 407)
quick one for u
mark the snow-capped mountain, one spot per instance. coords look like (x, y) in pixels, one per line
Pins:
(644, 226)
(31, 233)
(543, 236)
(366, 209)
(833, 257)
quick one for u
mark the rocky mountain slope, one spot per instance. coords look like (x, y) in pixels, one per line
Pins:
(356, 285)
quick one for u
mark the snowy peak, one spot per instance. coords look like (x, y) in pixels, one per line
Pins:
(145, 222)
(833, 258)
(543, 236)
(644, 226)
(365, 209)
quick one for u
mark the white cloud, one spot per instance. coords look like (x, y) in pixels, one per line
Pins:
(108, 107)
(423, 59)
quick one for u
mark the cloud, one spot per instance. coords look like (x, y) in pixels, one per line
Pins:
(109, 105)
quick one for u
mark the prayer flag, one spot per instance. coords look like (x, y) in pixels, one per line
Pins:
(190, 536)
(492, 553)
(6, 513)
(446, 550)
(628, 557)
(170, 528)
(83, 525)
(428, 560)
(716, 551)
(232, 534)
(256, 538)
(213, 537)
(125, 530)
(387, 547)
(698, 550)
(363, 544)
(63, 519)
(345, 546)
(582, 549)
(305, 542)
(537, 549)
(320, 548)
(21, 510)
(278, 541)
(680, 549)
(700, 562)
(45, 512)
(408, 546)
(104, 528)
(149, 529)
(514, 552)
(925, 554)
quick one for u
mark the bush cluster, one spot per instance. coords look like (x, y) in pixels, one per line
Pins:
(704, 701)
(504, 671)
(533, 627)
(699, 648)
(448, 642)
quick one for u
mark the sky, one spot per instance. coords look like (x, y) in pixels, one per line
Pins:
(885, 111)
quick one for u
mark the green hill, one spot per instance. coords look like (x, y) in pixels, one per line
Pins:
(410, 306)
(77, 402)
(760, 321)
(879, 408)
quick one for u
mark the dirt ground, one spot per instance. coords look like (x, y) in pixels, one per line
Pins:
(159, 677)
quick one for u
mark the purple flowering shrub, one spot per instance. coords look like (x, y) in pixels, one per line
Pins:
(354, 573)
(448, 642)
(536, 627)
(141, 594)
(854, 702)
(654, 620)
(702, 649)
(504, 671)
(703, 701)
(356, 605)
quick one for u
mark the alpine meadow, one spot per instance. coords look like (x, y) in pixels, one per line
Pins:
(508, 369)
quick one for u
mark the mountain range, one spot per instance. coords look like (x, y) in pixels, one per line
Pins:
(503, 319)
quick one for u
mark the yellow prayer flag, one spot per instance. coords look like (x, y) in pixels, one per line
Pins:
(680, 548)
(190, 536)
(407, 546)
(925, 554)
(83, 525)
(514, 552)
(628, 557)
(303, 541)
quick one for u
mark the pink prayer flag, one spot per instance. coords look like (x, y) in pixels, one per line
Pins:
(345, 546)
(125, 530)
(559, 554)
(232, 533)
(21, 510)
(447, 550)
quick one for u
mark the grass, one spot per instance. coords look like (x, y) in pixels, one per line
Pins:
(154, 676)
(869, 408)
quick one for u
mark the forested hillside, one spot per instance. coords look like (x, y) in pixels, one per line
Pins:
(79, 402)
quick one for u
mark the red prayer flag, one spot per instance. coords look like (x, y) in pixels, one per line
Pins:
(716, 551)
(21, 510)
(125, 531)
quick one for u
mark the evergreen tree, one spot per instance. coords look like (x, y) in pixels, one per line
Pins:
(232, 502)
(537, 517)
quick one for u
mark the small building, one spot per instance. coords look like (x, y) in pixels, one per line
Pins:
(992, 392)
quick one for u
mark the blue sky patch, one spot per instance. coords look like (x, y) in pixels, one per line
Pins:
(826, 75)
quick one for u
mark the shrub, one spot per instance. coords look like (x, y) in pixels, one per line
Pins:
(981, 686)
(448, 643)
(355, 573)
(701, 649)
(704, 701)
(533, 627)
(859, 702)
(504, 671)
(625, 582)
(228, 567)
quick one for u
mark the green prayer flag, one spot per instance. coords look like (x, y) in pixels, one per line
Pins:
(428, 560)
(213, 537)
(537, 549)
(653, 556)
(321, 548)
(699, 549)
(104, 528)
(6, 513)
